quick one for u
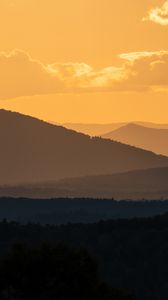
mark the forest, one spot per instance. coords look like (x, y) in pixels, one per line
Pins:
(53, 273)
(77, 210)
(132, 255)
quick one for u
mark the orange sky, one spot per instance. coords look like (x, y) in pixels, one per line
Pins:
(76, 62)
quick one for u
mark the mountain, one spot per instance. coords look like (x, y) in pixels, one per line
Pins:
(35, 151)
(135, 185)
(152, 139)
(152, 125)
(101, 129)
(93, 129)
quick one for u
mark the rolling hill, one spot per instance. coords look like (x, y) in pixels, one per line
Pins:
(152, 139)
(135, 185)
(34, 151)
(93, 129)
(101, 129)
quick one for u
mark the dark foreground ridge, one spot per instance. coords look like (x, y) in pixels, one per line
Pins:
(48, 273)
(132, 254)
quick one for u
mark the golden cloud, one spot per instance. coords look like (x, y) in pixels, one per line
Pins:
(147, 70)
(158, 15)
(20, 75)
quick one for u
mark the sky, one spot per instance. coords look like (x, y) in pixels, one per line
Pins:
(92, 61)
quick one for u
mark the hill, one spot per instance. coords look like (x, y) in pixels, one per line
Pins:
(152, 125)
(93, 129)
(35, 151)
(136, 185)
(101, 129)
(76, 210)
(152, 139)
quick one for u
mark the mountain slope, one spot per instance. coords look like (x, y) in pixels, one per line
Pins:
(35, 151)
(152, 139)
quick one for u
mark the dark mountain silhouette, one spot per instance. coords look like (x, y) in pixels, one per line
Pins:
(135, 185)
(36, 151)
(152, 139)
(101, 129)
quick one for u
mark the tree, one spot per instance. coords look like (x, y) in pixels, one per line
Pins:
(53, 273)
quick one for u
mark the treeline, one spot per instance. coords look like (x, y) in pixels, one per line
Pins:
(82, 210)
(132, 254)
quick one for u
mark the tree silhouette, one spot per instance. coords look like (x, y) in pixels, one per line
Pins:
(52, 273)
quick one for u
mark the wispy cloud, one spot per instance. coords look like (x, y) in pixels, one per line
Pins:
(21, 75)
(158, 15)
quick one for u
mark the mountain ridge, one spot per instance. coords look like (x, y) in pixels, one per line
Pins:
(94, 129)
(35, 151)
(133, 185)
(153, 139)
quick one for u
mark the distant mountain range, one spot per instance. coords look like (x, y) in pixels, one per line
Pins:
(133, 185)
(101, 129)
(152, 139)
(33, 151)
(93, 129)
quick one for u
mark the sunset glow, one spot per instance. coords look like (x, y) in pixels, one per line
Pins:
(95, 61)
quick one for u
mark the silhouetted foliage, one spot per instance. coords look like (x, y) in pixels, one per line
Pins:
(132, 254)
(53, 273)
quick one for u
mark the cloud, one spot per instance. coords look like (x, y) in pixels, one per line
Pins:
(147, 70)
(20, 75)
(158, 15)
